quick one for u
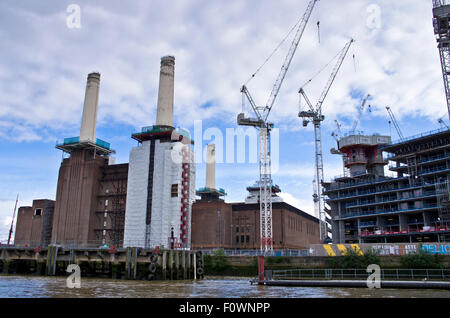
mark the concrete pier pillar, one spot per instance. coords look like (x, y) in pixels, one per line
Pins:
(89, 117)
(164, 265)
(183, 264)
(131, 262)
(177, 264)
(52, 256)
(171, 264)
(189, 265)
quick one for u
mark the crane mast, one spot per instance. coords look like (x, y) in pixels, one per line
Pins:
(261, 123)
(441, 24)
(314, 114)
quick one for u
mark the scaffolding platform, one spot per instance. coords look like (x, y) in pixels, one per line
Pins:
(71, 144)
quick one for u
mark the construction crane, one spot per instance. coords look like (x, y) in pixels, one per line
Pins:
(394, 121)
(314, 115)
(12, 221)
(442, 122)
(338, 132)
(441, 19)
(358, 118)
(261, 123)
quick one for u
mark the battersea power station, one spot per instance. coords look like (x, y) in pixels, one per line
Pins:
(151, 201)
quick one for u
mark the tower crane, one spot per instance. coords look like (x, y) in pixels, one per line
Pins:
(441, 18)
(314, 115)
(394, 121)
(264, 127)
(360, 111)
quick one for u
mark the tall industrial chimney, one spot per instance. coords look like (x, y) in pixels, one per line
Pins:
(211, 166)
(89, 119)
(164, 114)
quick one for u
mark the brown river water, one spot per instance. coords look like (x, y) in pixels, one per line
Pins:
(13, 286)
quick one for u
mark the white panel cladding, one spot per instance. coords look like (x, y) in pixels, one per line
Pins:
(136, 204)
(165, 208)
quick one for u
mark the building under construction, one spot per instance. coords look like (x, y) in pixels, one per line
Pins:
(368, 207)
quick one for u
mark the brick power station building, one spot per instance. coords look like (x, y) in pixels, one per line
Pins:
(148, 202)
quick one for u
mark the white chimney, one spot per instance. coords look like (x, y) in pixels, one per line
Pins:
(164, 114)
(89, 118)
(211, 166)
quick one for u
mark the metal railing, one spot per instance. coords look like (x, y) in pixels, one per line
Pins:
(389, 211)
(94, 244)
(257, 252)
(429, 133)
(361, 274)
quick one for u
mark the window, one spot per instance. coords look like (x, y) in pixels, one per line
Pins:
(242, 239)
(237, 239)
(106, 202)
(237, 229)
(38, 212)
(174, 190)
(247, 239)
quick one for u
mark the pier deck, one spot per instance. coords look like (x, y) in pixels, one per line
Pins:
(127, 263)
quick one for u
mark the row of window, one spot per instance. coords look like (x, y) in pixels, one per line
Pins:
(243, 229)
(243, 238)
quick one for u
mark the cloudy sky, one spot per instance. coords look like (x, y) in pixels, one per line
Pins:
(218, 45)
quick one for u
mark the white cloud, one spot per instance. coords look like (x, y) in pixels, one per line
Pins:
(299, 202)
(217, 45)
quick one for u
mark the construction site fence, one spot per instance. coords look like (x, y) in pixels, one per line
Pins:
(275, 253)
(382, 249)
(341, 274)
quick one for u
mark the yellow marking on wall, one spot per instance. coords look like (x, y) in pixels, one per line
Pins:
(342, 248)
(329, 250)
(357, 249)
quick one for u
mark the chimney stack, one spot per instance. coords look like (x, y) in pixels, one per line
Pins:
(211, 166)
(89, 118)
(164, 114)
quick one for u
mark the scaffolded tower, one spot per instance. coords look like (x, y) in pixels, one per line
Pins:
(161, 177)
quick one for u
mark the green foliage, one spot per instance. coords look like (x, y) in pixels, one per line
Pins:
(352, 260)
(219, 261)
(207, 261)
(421, 260)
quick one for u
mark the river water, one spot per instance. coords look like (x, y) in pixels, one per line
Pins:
(12, 286)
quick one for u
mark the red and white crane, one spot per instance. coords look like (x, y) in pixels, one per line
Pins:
(264, 127)
(314, 115)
